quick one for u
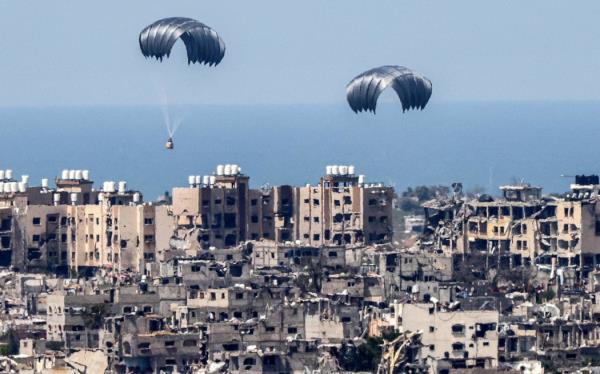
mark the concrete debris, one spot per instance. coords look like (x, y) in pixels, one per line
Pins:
(222, 278)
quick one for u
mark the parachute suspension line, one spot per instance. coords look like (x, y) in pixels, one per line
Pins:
(164, 107)
(176, 124)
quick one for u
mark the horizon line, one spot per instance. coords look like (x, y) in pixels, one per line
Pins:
(216, 105)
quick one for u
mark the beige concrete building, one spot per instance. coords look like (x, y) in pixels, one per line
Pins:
(123, 237)
(523, 227)
(73, 320)
(341, 209)
(74, 226)
(454, 339)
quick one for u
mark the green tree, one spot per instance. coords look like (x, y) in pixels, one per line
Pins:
(11, 344)
(365, 357)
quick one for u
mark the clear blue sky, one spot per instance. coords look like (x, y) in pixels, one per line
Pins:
(282, 52)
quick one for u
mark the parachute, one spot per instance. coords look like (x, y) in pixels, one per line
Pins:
(202, 43)
(413, 89)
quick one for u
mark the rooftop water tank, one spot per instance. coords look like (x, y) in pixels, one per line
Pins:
(25, 178)
(122, 187)
(220, 169)
(206, 180)
(8, 174)
(109, 186)
(136, 197)
(64, 175)
(343, 169)
(227, 170)
(71, 174)
(14, 187)
(351, 169)
(213, 179)
(1, 187)
(44, 182)
(335, 170)
(22, 186)
(78, 174)
(85, 174)
(328, 170)
(1, 174)
(361, 179)
(191, 180)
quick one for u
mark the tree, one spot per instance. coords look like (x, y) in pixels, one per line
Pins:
(365, 357)
(11, 346)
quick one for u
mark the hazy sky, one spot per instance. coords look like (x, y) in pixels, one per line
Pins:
(283, 52)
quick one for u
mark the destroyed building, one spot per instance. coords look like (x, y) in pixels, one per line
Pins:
(225, 278)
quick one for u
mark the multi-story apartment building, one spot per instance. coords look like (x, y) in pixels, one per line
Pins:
(74, 226)
(522, 227)
(454, 339)
(341, 209)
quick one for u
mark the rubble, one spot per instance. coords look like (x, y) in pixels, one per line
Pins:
(112, 284)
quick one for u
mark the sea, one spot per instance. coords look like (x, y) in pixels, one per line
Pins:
(481, 144)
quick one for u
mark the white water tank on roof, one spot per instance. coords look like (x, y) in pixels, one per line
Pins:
(1, 187)
(206, 180)
(351, 169)
(343, 169)
(335, 170)
(25, 178)
(1, 174)
(198, 180)
(328, 170)
(227, 169)
(361, 179)
(71, 174)
(109, 186)
(122, 187)
(212, 180)
(8, 174)
(78, 174)
(22, 186)
(191, 180)
(44, 182)
(65, 174)
(220, 169)
(85, 174)
(14, 187)
(234, 169)
(136, 197)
